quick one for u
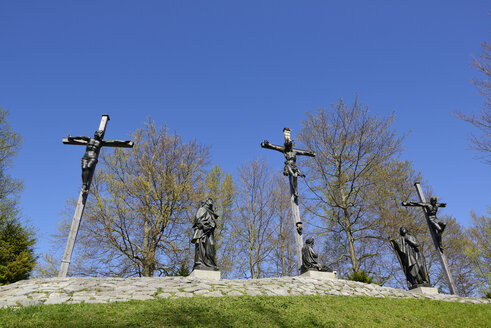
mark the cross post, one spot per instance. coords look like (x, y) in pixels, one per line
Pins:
(89, 162)
(291, 170)
(435, 235)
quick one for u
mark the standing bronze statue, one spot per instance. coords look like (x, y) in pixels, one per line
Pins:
(291, 170)
(204, 237)
(431, 208)
(309, 258)
(411, 260)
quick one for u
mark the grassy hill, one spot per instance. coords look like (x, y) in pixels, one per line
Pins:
(257, 311)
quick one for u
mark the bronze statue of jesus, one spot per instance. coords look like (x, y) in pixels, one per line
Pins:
(92, 150)
(291, 170)
(431, 209)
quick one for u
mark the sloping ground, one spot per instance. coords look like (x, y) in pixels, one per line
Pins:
(254, 311)
(105, 290)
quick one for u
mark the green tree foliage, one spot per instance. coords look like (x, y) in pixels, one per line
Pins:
(221, 188)
(16, 241)
(456, 242)
(16, 246)
(478, 251)
(361, 276)
(393, 185)
(351, 146)
(141, 203)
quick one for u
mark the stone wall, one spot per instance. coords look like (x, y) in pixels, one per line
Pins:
(103, 290)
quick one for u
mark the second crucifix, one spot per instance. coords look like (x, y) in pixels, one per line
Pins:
(291, 170)
(89, 162)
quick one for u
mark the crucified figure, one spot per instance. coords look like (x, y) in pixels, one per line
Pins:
(291, 170)
(431, 208)
(90, 158)
(92, 150)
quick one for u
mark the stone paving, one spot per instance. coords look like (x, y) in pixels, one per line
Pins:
(104, 290)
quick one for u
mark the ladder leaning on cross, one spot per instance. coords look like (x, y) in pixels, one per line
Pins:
(89, 162)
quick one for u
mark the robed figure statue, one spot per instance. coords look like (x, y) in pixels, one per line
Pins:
(204, 237)
(412, 262)
(309, 258)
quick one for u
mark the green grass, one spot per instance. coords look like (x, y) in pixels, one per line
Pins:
(248, 311)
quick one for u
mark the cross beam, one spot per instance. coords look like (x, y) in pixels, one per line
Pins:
(89, 162)
(291, 170)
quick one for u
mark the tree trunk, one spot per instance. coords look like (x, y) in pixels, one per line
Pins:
(351, 242)
(251, 264)
(148, 261)
(282, 249)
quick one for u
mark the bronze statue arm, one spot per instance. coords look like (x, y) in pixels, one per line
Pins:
(442, 204)
(414, 204)
(118, 143)
(266, 144)
(304, 152)
(413, 242)
(79, 140)
(394, 244)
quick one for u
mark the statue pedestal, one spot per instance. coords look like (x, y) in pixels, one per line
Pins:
(205, 274)
(424, 290)
(319, 275)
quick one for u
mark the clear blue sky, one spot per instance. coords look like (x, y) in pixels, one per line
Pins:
(231, 74)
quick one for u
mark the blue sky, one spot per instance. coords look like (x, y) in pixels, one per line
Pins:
(231, 74)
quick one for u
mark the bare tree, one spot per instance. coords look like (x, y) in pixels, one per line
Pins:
(482, 121)
(9, 145)
(283, 241)
(137, 219)
(478, 251)
(253, 224)
(350, 145)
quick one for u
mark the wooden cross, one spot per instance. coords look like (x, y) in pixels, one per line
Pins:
(434, 234)
(291, 170)
(89, 162)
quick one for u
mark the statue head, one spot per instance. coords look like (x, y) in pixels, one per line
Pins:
(310, 241)
(98, 134)
(402, 231)
(433, 200)
(299, 227)
(286, 133)
(208, 202)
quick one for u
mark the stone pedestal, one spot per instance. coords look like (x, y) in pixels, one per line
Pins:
(205, 274)
(319, 275)
(424, 290)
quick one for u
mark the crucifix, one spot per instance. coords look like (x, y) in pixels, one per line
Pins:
(291, 170)
(436, 227)
(89, 162)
